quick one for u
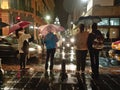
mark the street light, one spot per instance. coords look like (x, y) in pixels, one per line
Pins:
(72, 40)
(18, 19)
(48, 18)
(57, 22)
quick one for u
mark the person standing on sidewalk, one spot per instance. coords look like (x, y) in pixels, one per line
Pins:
(22, 37)
(50, 41)
(81, 49)
(94, 53)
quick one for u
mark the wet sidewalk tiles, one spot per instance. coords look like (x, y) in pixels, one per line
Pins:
(38, 80)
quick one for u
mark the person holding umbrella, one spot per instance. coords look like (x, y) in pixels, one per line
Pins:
(50, 41)
(81, 48)
(22, 46)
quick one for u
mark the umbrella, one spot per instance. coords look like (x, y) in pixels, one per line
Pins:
(2, 24)
(24, 24)
(44, 29)
(88, 20)
(21, 24)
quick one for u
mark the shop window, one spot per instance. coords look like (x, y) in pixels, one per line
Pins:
(114, 21)
(114, 33)
(104, 22)
(104, 31)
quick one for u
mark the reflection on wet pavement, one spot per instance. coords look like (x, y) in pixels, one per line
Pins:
(34, 77)
(31, 80)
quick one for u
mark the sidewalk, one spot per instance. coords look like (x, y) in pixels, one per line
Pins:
(69, 68)
(34, 78)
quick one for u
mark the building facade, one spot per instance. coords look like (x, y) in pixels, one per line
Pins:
(28, 10)
(109, 11)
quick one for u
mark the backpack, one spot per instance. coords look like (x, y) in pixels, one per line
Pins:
(25, 46)
(98, 42)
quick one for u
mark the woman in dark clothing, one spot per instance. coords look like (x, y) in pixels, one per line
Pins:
(94, 53)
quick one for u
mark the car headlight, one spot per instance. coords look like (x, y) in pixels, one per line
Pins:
(68, 45)
(32, 49)
(39, 49)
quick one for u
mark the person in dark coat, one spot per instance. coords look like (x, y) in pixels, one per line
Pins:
(94, 53)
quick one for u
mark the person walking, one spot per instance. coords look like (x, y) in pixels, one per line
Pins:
(23, 51)
(94, 53)
(81, 48)
(50, 41)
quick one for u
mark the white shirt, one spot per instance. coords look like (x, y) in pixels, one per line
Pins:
(21, 40)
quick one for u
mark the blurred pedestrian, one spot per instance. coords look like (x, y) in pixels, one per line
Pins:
(50, 41)
(94, 52)
(81, 48)
(22, 48)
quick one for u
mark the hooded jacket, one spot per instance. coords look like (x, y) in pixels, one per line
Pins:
(50, 40)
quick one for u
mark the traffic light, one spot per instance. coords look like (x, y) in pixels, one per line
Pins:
(18, 18)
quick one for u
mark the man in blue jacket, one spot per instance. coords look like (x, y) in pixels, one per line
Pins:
(50, 41)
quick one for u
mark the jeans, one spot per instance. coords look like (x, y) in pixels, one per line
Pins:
(22, 60)
(94, 58)
(50, 55)
(81, 59)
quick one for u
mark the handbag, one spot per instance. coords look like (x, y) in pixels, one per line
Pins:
(98, 42)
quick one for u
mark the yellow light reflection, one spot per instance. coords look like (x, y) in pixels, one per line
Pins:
(72, 55)
(63, 54)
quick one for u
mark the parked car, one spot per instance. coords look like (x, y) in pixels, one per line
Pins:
(8, 48)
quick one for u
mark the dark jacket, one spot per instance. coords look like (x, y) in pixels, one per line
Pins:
(91, 38)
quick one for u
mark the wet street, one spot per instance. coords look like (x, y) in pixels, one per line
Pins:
(26, 80)
(34, 77)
